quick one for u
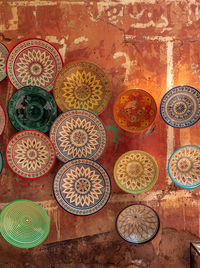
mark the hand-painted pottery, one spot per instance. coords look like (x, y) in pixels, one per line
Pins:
(32, 107)
(82, 85)
(2, 120)
(78, 133)
(3, 57)
(137, 224)
(24, 224)
(1, 162)
(82, 187)
(135, 172)
(184, 166)
(134, 110)
(33, 62)
(30, 154)
(180, 106)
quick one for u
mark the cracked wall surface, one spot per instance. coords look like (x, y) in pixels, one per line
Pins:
(152, 45)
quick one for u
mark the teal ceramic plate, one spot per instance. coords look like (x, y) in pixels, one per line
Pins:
(1, 162)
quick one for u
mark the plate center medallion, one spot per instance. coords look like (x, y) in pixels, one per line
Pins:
(82, 186)
(32, 154)
(79, 137)
(36, 69)
(134, 169)
(82, 92)
(184, 164)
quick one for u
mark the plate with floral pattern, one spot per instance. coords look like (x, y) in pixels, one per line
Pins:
(3, 57)
(33, 62)
(30, 154)
(78, 134)
(82, 187)
(82, 85)
(2, 120)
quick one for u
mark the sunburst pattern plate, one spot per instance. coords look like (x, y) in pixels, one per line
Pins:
(82, 187)
(78, 133)
(2, 120)
(184, 166)
(3, 57)
(137, 224)
(33, 62)
(30, 154)
(180, 106)
(135, 172)
(82, 85)
(134, 110)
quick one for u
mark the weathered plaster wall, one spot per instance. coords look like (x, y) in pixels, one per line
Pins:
(153, 45)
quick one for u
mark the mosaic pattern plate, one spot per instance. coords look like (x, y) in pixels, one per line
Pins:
(32, 107)
(33, 62)
(134, 110)
(24, 224)
(78, 134)
(184, 166)
(2, 120)
(82, 85)
(135, 172)
(3, 57)
(30, 154)
(1, 162)
(82, 187)
(137, 224)
(180, 106)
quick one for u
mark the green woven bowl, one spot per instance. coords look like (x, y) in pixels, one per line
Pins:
(24, 224)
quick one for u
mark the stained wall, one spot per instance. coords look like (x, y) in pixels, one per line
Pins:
(152, 45)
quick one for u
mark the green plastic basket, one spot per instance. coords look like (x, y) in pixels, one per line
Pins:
(24, 224)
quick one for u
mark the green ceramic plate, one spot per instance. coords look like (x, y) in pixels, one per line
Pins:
(1, 162)
(24, 224)
(32, 107)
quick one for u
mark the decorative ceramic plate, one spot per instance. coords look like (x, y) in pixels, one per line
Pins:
(82, 85)
(82, 187)
(24, 224)
(78, 133)
(33, 62)
(2, 120)
(184, 166)
(137, 224)
(32, 107)
(1, 162)
(3, 57)
(134, 110)
(30, 154)
(180, 106)
(135, 172)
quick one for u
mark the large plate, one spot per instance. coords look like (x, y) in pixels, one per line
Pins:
(180, 106)
(33, 62)
(24, 224)
(2, 120)
(135, 172)
(82, 85)
(78, 133)
(30, 154)
(32, 107)
(137, 224)
(82, 187)
(134, 110)
(183, 166)
(3, 57)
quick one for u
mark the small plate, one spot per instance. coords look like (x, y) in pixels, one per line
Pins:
(135, 172)
(134, 110)
(30, 154)
(33, 62)
(24, 224)
(180, 106)
(3, 57)
(183, 166)
(2, 120)
(77, 134)
(82, 187)
(137, 224)
(32, 107)
(82, 85)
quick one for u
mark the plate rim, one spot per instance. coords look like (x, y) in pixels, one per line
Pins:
(1, 107)
(5, 61)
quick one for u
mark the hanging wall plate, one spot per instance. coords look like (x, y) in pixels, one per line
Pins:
(3, 57)
(2, 120)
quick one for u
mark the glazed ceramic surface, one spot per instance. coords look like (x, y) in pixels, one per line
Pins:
(3, 57)
(2, 120)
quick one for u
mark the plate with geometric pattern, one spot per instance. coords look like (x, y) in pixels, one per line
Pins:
(82, 85)
(137, 224)
(30, 154)
(78, 134)
(3, 57)
(33, 62)
(180, 106)
(183, 166)
(135, 172)
(82, 187)
(2, 120)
